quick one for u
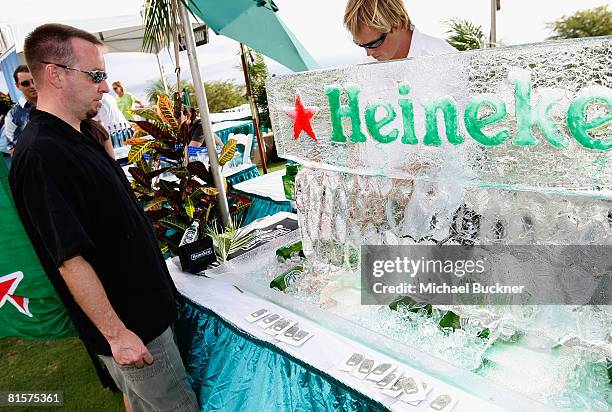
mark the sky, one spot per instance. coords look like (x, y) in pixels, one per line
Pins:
(316, 23)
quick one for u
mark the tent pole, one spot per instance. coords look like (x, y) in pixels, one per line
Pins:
(493, 34)
(161, 73)
(255, 114)
(203, 106)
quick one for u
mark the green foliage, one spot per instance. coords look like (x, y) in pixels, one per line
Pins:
(223, 95)
(465, 35)
(258, 72)
(156, 88)
(583, 23)
(159, 19)
(229, 240)
(171, 204)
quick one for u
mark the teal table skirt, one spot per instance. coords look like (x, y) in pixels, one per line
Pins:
(246, 128)
(233, 371)
(262, 206)
(243, 175)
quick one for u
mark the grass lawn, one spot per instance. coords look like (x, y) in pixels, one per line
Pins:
(62, 365)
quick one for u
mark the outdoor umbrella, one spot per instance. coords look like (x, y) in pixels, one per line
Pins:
(256, 24)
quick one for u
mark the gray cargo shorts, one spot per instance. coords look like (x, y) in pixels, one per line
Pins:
(161, 386)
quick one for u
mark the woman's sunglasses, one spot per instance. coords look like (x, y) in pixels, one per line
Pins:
(373, 44)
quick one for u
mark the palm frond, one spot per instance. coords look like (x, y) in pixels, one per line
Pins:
(158, 22)
(229, 240)
(465, 35)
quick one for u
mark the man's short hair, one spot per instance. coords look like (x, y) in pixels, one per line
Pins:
(51, 43)
(22, 68)
(380, 15)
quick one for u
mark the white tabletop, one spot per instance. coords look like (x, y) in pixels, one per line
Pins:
(269, 185)
(122, 152)
(323, 351)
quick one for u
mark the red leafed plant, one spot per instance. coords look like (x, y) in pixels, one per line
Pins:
(181, 191)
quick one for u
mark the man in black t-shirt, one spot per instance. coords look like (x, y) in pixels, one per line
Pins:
(92, 237)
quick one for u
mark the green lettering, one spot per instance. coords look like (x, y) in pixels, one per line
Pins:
(579, 127)
(474, 125)
(549, 130)
(526, 118)
(407, 107)
(339, 111)
(374, 126)
(522, 107)
(449, 109)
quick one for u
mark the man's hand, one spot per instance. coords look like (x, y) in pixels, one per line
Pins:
(85, 286)
(128, 349)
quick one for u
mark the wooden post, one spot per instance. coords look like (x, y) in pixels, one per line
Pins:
(247, 80)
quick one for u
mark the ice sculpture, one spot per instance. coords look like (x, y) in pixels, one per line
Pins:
(503, 146)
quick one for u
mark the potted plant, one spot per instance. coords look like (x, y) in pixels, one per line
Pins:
(186, 190)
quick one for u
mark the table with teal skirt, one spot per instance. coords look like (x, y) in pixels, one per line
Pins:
(224, 129)
(233, 367)
(231, 370)
(241, 173)
(235, 362)
(267, 194)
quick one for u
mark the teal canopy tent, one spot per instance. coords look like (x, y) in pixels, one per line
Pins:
(256, 24)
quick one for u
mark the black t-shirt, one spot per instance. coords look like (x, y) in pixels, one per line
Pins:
(73, 199)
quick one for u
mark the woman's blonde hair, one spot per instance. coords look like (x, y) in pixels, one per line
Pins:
(117, 84)
(380, 15)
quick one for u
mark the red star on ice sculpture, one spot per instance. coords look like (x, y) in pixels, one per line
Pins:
(8, 284)
(302, 115)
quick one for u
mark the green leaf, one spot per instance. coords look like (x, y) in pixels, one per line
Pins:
(140, 177)
(142, 164)
(155, 131)
(155, 203)
(170, 153)
(231, 239)
(142, 190)
(155, 215)
(228, 152)
(138, 150)
(145, 113)
(165, 111)
(179, 172)
(175, 223)
(200, 170)
(163, 247)
(189, 207)
(204, 190)
(155, 173)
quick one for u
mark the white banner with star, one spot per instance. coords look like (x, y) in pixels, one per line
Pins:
(529, 116)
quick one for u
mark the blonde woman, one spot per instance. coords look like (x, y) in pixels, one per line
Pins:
(125, 100)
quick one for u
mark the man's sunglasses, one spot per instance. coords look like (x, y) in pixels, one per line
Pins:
(26, 83)
(98, 76)
(373, 44)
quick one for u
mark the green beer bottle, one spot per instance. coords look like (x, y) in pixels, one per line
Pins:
(291, 170)
(287, 278)
(283, 253)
